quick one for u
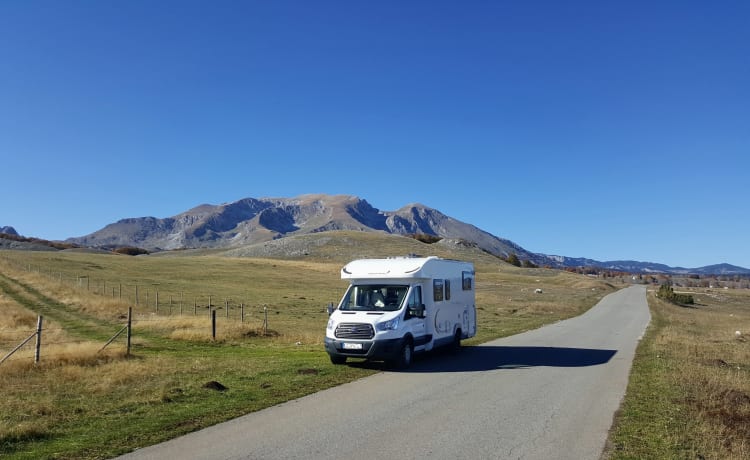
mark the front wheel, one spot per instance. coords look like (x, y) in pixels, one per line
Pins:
(405, 356)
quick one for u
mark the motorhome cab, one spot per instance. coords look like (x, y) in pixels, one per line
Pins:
(396, 307)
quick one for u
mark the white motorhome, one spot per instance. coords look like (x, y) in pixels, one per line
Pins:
(398, 306)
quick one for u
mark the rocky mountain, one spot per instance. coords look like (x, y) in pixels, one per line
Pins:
(9, 231)
(252, 220)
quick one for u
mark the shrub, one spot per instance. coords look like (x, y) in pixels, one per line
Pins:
(424, 238)
(667, 293)
(130, 251)
(513, 260)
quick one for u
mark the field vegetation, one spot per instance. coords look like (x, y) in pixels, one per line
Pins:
(689, 391)
(81, 402)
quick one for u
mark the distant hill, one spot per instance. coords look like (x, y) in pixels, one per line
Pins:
(632, 266)
(9, 231)
(15, 241)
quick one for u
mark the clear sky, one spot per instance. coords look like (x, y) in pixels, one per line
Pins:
(602, 129)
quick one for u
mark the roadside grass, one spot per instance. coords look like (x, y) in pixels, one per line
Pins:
(689, 389)
(82, 403)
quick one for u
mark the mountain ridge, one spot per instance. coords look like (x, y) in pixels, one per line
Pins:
(251, 220)
(261, 220)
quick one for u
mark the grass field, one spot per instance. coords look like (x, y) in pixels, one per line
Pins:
(82, 403)
(689, 391)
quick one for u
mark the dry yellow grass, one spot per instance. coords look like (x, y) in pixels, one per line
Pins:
(689, 395)
(713, 368)
(18, 323)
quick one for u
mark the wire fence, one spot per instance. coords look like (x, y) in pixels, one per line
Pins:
(34, 344)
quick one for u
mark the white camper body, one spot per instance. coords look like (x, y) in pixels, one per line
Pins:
(395, 307)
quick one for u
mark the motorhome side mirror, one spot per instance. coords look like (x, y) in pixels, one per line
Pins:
(419, 311)
(330, 309)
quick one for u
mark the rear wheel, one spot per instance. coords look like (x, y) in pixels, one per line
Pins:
(336, 359)
(456, 344)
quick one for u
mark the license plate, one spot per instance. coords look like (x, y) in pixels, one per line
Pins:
(352, 346)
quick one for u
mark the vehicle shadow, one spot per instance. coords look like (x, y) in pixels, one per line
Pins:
(486, 358)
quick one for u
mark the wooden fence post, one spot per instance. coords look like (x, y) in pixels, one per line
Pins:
(213, 324)
(38, 339)
(130, 328)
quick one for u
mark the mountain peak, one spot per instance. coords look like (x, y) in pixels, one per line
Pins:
(8, 230)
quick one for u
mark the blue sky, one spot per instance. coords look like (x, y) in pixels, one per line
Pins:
(609, 130)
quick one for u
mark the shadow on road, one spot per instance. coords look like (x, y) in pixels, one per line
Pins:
(486, 358)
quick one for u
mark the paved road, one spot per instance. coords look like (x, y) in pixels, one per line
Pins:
(548, 393)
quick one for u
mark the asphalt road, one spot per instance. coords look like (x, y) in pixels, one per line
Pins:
(548, 393)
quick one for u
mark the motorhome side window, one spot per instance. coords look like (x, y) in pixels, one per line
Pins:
(437, 290)
(447, 289)
(467, 281)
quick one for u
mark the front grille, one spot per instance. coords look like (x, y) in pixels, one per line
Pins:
(354, 331)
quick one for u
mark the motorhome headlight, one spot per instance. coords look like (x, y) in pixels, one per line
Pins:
(389, 325)
(331, 324)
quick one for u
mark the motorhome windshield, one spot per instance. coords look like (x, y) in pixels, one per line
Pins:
(374, 297)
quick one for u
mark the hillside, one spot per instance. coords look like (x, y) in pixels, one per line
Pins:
(343, 245)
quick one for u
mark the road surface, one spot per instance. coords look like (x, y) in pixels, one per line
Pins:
(547, 393)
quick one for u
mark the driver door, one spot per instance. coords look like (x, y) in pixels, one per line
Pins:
(415, 317)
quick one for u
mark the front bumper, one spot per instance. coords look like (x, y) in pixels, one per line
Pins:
(371, 349)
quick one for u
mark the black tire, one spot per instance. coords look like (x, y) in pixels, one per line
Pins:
(336, 359)
(405, 356)
(456, 344)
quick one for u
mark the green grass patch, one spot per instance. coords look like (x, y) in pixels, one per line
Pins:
(102, 405)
